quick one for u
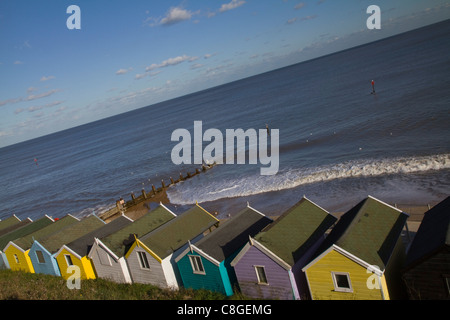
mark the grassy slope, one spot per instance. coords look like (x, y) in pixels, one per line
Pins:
(26, 286)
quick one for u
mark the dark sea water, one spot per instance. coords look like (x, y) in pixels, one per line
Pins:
(338, 142)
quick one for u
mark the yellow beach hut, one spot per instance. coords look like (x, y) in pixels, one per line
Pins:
(362, 256)
(16, 251)
(27, 227)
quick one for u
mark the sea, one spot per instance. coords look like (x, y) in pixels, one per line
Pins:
(338, 143)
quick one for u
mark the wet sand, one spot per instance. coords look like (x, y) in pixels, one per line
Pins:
(140, 209)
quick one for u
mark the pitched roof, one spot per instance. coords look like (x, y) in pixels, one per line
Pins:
(296, 230)
(9, 222)
(72, 232)
(369, 231)
(23, 231)
(120, 241)
(83, 244)
(27, 241)
(15, 226)
(177, 232)
(433, 232)
(233, 234)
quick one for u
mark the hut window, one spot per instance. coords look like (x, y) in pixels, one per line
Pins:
(16, 258)
(261, 274)
(143, 260)
(40, 256)
(341, 281)
(197, 265)
(68, 260)
(104, 258)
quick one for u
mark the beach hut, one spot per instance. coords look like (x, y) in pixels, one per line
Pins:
(427, 268)
(9, 222)
(16, 250)
(362, 256)
(75, 253)
(42, 252)
(3, 261)
(27, 227)
(151, 258)
(269, 265)
(108, 254)
(206, 264)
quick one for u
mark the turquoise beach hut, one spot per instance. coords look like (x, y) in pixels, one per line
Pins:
(206, 264)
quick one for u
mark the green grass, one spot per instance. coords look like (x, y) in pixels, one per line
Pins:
(16, 285)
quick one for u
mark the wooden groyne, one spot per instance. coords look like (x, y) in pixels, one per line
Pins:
(122, 206)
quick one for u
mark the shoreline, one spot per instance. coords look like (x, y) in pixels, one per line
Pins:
(415, 212)
(137, 210)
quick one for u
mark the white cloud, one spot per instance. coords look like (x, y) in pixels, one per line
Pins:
(175, 61)
(2, 103)
(196, 66)
(42, 95)
(44, 78)
(291, 21)
(30, 97)
(140, 76)
(18, 62)
(175, 15)
(169, 62)
(147, 73)
(231, 5)
(309, 17)
(48, 105)
(299, 5)
(123, 71)
(31, 89)
(209, 55)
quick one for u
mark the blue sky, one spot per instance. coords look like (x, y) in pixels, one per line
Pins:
(131, 54)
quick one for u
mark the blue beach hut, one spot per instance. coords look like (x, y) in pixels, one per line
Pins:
(42, 253)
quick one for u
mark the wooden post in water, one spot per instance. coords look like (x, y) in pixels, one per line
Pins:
(171, 180)
(144, 194)
(162, 184)
(133, 197)
(153, 189)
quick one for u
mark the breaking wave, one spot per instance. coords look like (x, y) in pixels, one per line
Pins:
(188, 193)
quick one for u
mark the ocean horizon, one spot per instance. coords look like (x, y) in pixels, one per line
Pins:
(338, 142)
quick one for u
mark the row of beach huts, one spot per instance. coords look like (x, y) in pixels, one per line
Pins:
(306, 253)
